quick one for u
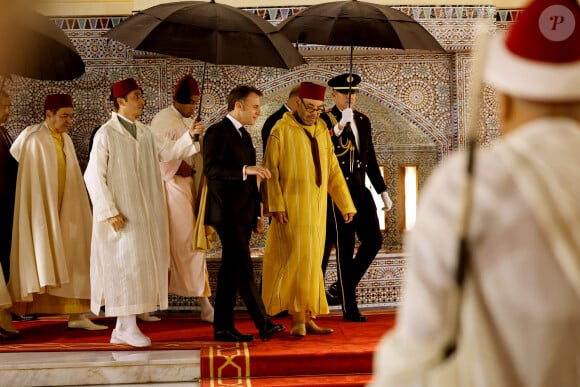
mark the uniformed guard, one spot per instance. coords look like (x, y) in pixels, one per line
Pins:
(353, 145)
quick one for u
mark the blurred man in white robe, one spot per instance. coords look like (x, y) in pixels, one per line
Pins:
(519, 314)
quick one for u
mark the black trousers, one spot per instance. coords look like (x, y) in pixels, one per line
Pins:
(365, 226)
(236, 274)
(5, 243)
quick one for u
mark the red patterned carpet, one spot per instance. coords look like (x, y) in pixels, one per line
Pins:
(174, 331)
(343, 358)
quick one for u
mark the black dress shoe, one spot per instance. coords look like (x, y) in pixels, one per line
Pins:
(269, 330)
(7, 335)
(333, 295)
(25, 317)
(283, 313)
(355, 317)
(232, 335)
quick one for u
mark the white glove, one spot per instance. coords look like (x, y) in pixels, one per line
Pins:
(347, 116)
(337, 130)
(387, 201)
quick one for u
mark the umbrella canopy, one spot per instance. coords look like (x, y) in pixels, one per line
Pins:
(358, 23)
(32, 46)
(210, 32)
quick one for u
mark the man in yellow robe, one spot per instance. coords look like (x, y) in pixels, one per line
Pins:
(304, 169)
(50, 254)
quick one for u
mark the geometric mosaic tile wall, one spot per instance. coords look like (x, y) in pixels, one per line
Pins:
(417, 101)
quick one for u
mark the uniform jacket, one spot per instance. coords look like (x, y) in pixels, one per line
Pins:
(365, 159)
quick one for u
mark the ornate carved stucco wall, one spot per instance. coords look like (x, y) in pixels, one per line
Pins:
(417, 101)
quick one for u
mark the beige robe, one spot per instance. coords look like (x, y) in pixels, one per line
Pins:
(188, 267)
(292, 277)
(50, 247)
(129, 268)
(520, 315)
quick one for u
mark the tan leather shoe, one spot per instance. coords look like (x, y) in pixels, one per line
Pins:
(134, 339)
(298, 329)
(86, 324)
(313, 328)
(147, 317)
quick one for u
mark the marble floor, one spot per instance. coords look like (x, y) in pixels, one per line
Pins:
(175, 368)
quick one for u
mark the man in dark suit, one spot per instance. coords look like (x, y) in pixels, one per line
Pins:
(290, 106)
(353, 146)
(8, 173)
(233, 208)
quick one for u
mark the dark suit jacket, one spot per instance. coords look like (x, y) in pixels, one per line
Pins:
(365, 156)
(269, 124)
(230, 199)
(8, 173)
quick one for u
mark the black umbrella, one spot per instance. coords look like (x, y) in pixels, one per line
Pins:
(209, 32)
(358, 23)
(33, 46)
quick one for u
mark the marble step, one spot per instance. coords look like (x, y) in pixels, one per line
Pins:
(23, 369)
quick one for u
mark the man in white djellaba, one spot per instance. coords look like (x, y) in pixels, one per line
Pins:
(181, 178)
(519, 310)
(130, 242)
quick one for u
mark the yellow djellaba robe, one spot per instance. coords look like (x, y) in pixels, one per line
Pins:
(292, 276)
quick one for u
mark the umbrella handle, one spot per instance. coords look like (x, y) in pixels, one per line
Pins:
(196, 136)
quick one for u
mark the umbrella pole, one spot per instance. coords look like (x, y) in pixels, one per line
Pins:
(198, 118)
(201, 92)
(350, 72)
(2, 81)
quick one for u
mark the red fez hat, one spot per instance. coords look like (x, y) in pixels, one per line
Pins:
(539, 58)
(311, 91)
(186, 88)
(124, 87)
(57, 101)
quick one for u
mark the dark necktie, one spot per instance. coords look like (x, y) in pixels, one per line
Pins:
(315, 157)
